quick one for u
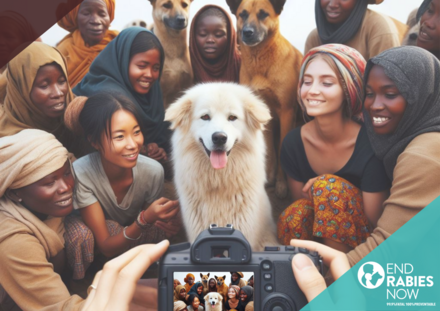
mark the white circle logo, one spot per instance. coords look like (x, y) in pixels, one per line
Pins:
(371, 275)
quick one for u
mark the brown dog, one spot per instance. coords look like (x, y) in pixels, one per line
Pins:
(222, 288)
(170, 26)
(270, 66)
(204, 280)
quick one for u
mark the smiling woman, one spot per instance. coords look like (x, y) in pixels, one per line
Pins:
(429, 34)
(36, 188)
(37, 93)
(88, 25)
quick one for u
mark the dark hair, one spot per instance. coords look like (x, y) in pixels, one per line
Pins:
(213, 12)
(145, 41)
(96, 115)
(191, 298)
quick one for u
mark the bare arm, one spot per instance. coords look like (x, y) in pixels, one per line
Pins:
(373, 205)
(296, 188)
(110, 246)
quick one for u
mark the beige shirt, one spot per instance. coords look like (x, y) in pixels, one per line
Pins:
(416, 184)
(376, 34)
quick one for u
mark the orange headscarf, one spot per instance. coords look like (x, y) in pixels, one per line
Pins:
(187, 285)
(78, 54)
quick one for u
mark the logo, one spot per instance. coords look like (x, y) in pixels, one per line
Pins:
(371, 275)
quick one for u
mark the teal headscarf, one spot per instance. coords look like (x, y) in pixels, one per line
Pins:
(109, 73)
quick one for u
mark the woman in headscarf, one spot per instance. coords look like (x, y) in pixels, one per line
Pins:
(197, 289)
(338, 184)
(36, 189)
(247, 297)
(37, 93)
(429, 33)
(131, 65)
(176, 282)
(88, 25)
(233, 302)
(189, 281)
(179, 293)
(237, 279)
(212, 286)
(402, 117)
(213, 46)
(351, 23)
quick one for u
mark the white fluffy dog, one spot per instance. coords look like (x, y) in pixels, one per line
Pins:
(219, 161)
(213, 302)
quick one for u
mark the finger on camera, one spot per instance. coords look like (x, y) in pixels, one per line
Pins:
(310, 281)
(124, 288)
(335, 260)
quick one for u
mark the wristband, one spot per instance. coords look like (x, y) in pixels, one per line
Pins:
(128, 238)
(140, 221)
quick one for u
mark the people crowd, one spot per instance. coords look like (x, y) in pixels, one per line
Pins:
(84, 151)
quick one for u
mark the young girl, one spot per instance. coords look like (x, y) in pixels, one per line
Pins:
(88, 26)
(213, 46)
(350, 22)
(401, 112)
(212, 286)
(118, 190)
(337, 183)
(233, 303)
(131, 65)
(429, 34)
(37, 93)
(194, 303)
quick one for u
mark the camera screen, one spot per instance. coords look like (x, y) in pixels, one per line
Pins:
(200, 289)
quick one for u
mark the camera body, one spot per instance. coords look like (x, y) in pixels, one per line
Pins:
(220, 249)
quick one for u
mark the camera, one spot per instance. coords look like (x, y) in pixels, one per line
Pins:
(219, 250)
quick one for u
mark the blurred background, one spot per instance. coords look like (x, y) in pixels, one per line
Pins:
(297, 19)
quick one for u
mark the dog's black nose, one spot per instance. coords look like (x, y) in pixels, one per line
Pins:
(248, 32)
(413, 36)
(180, 20)
(219, 138)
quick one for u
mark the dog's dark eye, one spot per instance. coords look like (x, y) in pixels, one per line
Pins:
(206, 117)
(262, 15)
(244, 14)
(184, 5)
(232, 118)
(167, 5)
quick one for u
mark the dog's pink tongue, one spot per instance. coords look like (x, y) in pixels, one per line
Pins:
(218, 159)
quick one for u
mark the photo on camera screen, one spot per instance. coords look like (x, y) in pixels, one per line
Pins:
(191, 289)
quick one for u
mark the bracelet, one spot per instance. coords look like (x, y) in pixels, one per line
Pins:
(140, 221)
(128, 238)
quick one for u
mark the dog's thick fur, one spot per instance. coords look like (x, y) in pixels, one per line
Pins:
(204, 279)
(170, 27)
(270, 65)
(222, 288)
(414, 28)
(217, 298)
(236, 193)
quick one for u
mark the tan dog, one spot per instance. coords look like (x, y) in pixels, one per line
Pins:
(222, 288)
(270, 65)
(170, 26)
(204, 280)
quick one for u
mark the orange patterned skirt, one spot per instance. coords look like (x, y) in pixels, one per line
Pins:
(336, 212)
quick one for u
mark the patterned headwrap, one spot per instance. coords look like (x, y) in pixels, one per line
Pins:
(351, 65)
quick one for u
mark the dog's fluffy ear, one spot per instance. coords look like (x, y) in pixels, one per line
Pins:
(179, 113)
(277, 5)
(201, 275)
(206, 297)
(233, 5)
(208, 275)
(224, 277)
(257, 112)
(216, 277)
